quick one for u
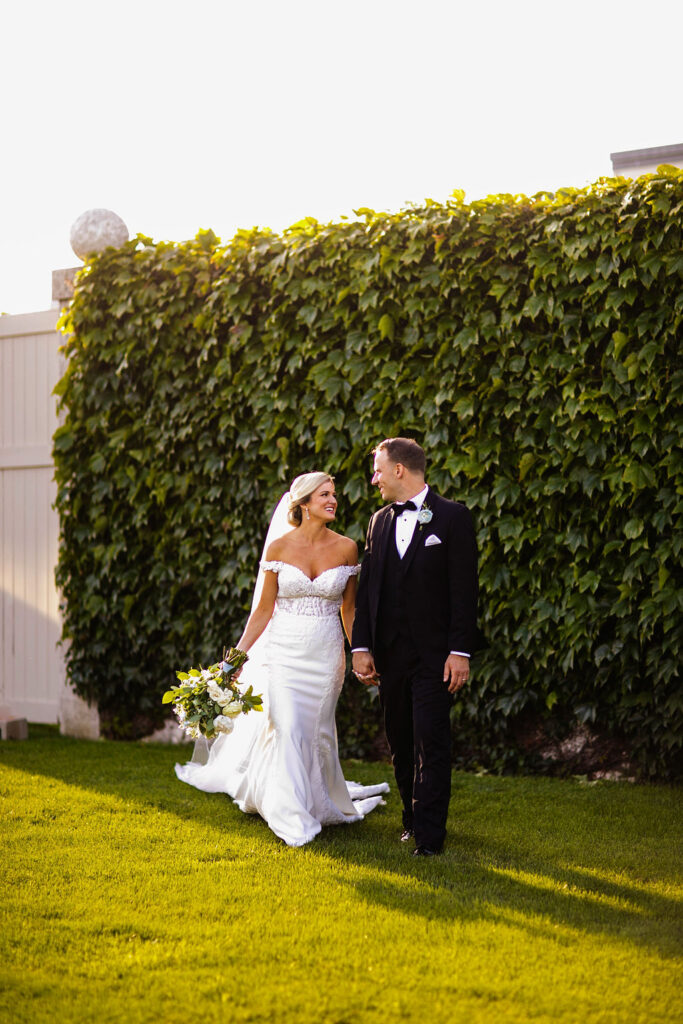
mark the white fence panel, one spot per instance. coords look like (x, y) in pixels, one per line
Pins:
(31, 665)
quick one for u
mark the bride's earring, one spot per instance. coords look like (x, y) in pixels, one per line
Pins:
(308, 514)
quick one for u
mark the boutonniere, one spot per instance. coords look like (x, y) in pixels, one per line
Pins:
(424, 516)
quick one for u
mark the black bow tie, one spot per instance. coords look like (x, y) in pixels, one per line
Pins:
(400, 507)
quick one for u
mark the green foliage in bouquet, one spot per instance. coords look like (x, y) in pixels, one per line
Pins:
(531, 344)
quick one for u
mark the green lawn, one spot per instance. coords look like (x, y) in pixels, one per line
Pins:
(132, 897)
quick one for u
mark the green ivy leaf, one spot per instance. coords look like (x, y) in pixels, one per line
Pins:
(386, 327)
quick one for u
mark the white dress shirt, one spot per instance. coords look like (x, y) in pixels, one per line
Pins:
(405, 528)
(407, 521)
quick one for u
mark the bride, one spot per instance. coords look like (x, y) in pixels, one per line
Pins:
(283, 764)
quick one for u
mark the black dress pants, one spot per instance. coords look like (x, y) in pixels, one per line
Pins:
(416, 705)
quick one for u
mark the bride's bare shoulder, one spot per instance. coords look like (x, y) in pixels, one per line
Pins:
(278, 549)
(348, 549)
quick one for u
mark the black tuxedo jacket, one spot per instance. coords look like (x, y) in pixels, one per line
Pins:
(439, 580)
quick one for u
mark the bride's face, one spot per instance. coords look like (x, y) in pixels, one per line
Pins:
(323, 503)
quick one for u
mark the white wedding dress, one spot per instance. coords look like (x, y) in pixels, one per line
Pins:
(283, 763)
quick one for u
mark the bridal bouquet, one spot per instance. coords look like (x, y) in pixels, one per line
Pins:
(208, 699)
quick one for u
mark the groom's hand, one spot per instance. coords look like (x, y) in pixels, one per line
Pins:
(364, 667)
(456, 672)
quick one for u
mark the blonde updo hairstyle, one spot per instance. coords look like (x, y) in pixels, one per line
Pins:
(301, 491)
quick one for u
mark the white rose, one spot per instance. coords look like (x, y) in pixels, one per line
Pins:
(215, 692)
(232, 708)
(223, 724)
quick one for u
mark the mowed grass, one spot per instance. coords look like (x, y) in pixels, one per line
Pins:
(131, 897)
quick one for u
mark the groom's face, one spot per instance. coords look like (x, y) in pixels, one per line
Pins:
(385, 476)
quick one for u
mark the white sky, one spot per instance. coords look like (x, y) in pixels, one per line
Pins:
(231, 113)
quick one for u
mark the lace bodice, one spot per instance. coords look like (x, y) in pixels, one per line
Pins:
(299, 595)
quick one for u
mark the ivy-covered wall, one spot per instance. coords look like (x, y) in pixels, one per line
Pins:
(531, 345)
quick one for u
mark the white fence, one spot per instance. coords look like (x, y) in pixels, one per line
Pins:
(31, 666)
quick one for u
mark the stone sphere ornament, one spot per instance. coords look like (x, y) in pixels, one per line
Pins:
(95, 230)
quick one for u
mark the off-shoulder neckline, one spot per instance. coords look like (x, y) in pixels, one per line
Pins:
(278, 561)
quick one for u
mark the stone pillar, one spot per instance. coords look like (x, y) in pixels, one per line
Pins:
(92, 232)
(63, 286)
(76, 717)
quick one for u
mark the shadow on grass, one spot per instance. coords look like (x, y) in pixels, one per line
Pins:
(513, 876)
(535, 894)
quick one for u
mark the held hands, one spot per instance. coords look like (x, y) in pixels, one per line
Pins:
(456, 672)
(364, 668)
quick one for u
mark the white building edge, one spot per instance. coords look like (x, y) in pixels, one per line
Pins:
(631, 163)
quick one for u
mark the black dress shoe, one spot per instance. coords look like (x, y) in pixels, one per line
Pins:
(424, 851)
(406, 835)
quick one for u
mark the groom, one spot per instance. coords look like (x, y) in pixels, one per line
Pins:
(415, 629)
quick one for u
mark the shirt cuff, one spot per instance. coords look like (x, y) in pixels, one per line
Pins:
(354, 650)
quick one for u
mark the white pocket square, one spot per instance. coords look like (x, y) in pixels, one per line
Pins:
(431, 540)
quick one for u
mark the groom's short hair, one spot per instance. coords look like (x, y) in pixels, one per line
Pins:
(404, 450)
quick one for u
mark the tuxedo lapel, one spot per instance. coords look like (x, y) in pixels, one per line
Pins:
(387, 528)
